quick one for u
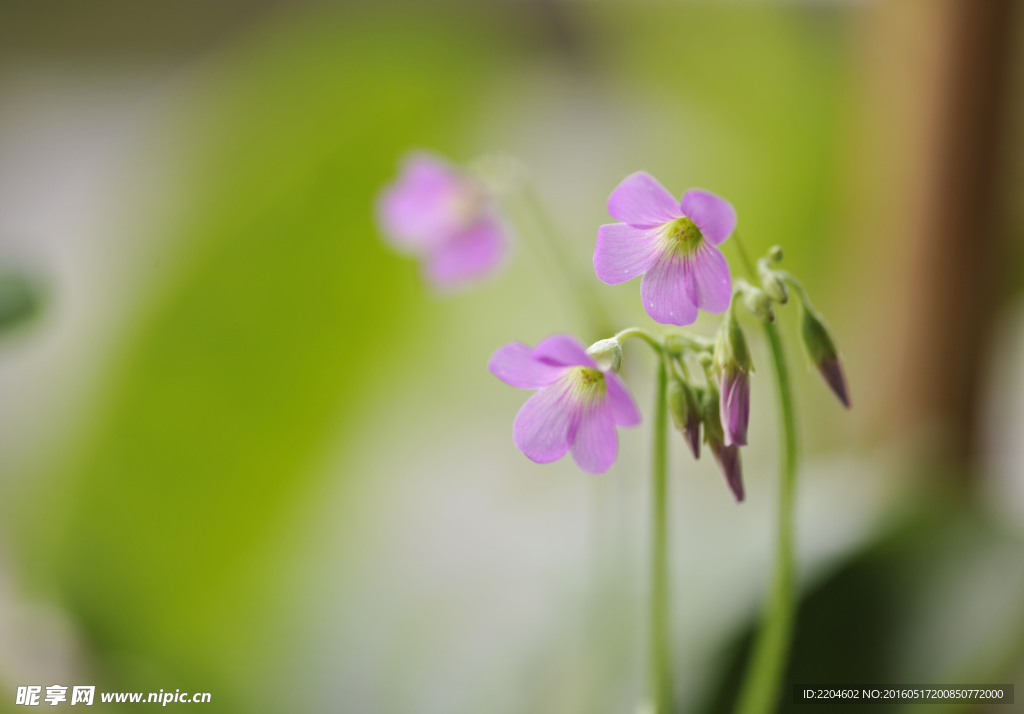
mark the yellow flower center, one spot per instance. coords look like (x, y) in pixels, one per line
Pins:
(683, 235)
(586, 384)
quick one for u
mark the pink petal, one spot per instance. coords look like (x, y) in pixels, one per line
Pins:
(664, 292)
(623, 252)
(546, 424)
(642, 202)
(415, 212)
(563, 350)
(715, 216)
(596, 444)
(470, 254)
(514, 364)
(708, 283)
(620, 402)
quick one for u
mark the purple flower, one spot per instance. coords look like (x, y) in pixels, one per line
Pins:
(446, 217)
(576, 408)
(672, 244)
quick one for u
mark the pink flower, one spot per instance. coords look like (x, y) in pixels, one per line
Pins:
(446, 217)
(672, 244)
(576, 408)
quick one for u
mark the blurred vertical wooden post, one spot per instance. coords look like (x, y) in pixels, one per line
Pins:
(955, 242)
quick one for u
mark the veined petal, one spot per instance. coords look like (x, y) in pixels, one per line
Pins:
(708, 283)
(620, 401)
(467, 255)
(546, 424)
(623, 252)
(514, 364)
(415, 212)
(564, 351)
(596, 444)
(715, 216)
(642, 202)
(664, 291)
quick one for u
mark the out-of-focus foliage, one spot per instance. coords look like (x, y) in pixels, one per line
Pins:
(285, 318)
(20, 300)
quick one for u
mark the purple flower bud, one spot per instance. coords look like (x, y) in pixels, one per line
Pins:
(726, 456)
(731, 465)
(735, 408)
(686, 414)
(823, 354)
(732, 363)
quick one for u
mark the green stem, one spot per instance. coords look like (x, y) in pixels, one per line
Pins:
(660, 654)
(761, 688)
(643, 334)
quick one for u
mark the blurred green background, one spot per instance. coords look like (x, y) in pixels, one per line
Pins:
(245, 451)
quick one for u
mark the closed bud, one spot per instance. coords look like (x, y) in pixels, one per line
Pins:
(758, 303)
(773, 283)
(726, 456)
(775, 253)
(685, 409)
(823, 354)
(607, 354)
(732, 365)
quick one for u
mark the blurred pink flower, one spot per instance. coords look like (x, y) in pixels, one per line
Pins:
(446, 217)
(672, 244)
(576, 408)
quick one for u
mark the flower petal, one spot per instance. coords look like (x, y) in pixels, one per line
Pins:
(564, 351)
(620, 401)
(546, 424)
(470, 254)
(415, 211)
(623, 252)
(715, 216)
(664, 292)
(708, 283)
(596, 444)
(514, 364)
(642, 202)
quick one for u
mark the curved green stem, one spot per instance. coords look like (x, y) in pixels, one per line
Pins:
(762, 685)
(767, 668)
(643, 334)
(661, 634)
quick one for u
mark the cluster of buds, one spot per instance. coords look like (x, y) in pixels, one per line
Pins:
(718, 397)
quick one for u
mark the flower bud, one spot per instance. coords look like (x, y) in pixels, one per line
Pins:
(775, 253)
(727, 457)
(607, 354)
(732, 364)
(823, 354)
(685, 409)
(772, 282)
(758, 303)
